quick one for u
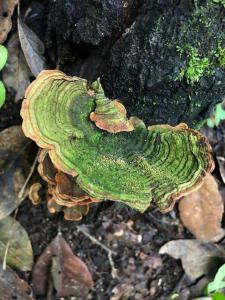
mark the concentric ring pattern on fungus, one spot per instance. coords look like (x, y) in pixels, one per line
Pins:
(140, 166)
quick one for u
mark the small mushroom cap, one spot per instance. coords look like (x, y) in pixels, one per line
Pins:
(75, 213)
(140, 167)
(34, 193)
(46, 168)
(67, 188)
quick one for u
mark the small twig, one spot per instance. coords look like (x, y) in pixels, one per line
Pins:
(109, 251)
(94, 240)
(178, 286)
(21, 196)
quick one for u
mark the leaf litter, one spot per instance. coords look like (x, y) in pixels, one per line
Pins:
(202, 211)
(33, 47)
(12, 287)
(197, 258)
(16, 74)
(14, 166)
(6, 10)
(67, 273)
(19, 254)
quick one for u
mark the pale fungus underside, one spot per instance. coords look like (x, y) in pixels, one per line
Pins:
(111, 157)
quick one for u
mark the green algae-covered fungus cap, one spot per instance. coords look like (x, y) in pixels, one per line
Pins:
(112, 157)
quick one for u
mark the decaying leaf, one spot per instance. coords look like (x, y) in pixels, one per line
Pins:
(20, 254)
(33, 48)
(12, 142)
(6, 11)
(16, 74)
(69, 275)
(197, 258)
(10, 185)
(13, 168)
(12, 287)
(202, 211)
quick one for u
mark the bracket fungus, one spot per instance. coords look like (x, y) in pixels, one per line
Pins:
(64, 194)
(93, 145)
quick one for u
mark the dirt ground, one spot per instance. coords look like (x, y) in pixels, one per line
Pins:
(135, 238)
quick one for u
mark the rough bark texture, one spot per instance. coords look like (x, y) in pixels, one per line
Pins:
(140, 48)
(83, 32)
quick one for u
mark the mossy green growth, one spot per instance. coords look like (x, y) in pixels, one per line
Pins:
(147, 165)
(3, 59)
(220, 54)
(195, 67)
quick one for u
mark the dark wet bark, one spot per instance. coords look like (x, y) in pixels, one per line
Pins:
(133, 44)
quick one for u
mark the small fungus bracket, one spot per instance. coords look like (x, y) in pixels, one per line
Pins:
(109, 115)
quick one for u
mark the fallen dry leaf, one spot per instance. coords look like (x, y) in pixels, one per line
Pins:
(33, 48)
(12, 143)
(69, 275)
(12, 287)
(202, 211)
(197, 258)
(13, 168)
(6, 11)
(16, 74)
(10, 185)
(20, 254)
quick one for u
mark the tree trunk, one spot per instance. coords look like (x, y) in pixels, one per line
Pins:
(162, 59)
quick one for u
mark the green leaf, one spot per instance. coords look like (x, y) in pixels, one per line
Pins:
(3, 56)
(20, 254)
(218, 282)
(2, 94)
(218, 296)
(210, 123)
(217, 116)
